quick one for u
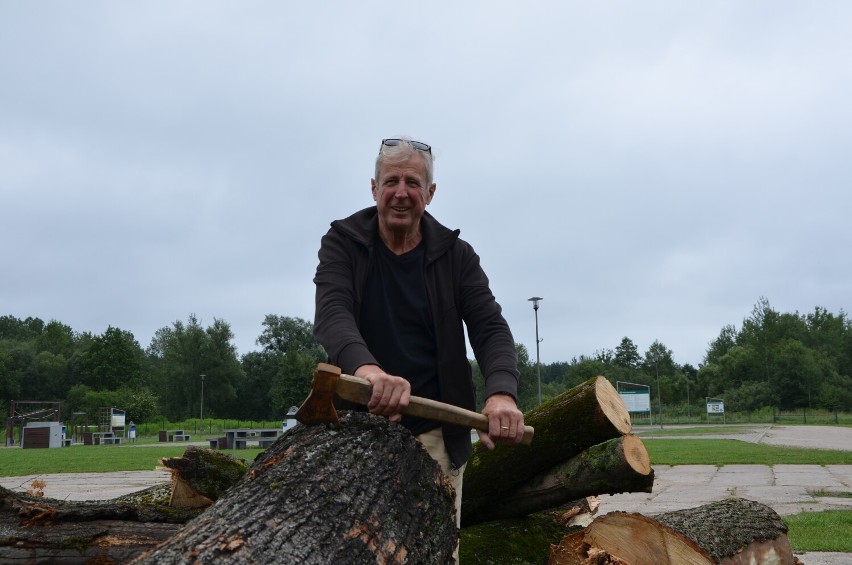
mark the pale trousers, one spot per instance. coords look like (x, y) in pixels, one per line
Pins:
(433, 442)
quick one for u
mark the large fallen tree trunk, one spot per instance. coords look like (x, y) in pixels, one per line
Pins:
(586, 415)
(364, 492)
(617, 465)
(734, 531)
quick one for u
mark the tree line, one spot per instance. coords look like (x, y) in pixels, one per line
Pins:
(782, 360)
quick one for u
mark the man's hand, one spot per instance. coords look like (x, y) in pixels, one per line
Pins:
(390, 393)
(505, 421)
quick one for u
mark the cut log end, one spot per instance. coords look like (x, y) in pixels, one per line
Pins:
(635, 454)
(611, 405)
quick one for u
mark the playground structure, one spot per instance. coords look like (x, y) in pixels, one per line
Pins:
(39, 410)
(111, 427)
(27, 414)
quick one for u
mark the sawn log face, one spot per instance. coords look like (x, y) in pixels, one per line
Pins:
(363, 492)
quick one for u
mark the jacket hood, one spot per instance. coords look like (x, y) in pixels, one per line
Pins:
(363, 227)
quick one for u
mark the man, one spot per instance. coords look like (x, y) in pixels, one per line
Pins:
(394, 290)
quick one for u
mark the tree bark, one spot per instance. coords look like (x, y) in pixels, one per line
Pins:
(731, 532)
(586, 415)
(617, 465)
(44, 530)
(362, 492)
(200, 476)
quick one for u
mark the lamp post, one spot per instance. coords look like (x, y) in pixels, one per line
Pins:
(202, 403)
(688, 415)
(659, 398)
(535, 300)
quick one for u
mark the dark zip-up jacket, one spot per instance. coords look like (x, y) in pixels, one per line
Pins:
(458, 293)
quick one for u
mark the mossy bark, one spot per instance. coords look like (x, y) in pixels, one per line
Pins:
(210, 473)
(615, 466)
(586, 415)
(517, 541)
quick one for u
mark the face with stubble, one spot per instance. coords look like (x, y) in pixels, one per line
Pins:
(401, 196)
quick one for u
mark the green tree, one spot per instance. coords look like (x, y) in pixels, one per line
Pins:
(56, 338)
(835, 392)
(750, 396)
(139, 404)
(282, 334)
(528, 385)
(112, 360)
(582, 370)
(12, 328)
(46, 377)
(795, 374)
(260, 369)
(288, 346)
(292, 382)
(180, 354)
(627, 354)
(721, 345)
(75, 400)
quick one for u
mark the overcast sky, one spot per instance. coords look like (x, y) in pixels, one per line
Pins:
(650, 168)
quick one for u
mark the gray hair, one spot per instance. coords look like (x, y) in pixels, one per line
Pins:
(394, 154)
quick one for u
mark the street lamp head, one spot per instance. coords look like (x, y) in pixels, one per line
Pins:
(535, 300)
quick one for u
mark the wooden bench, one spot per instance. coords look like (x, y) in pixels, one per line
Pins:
(181, 437)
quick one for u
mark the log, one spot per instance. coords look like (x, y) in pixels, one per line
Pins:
(734, 531)
(617, 465)
(362, 492)
(201, 475)
(45, 530)
(586, 415)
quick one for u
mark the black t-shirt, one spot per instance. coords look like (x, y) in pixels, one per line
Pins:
(396, 322)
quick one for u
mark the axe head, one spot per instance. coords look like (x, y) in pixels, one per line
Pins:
(318, 407)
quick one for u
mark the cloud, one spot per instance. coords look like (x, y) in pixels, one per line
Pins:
(650, 170)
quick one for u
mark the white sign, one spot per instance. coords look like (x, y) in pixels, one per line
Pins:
(715, 407)
(636, 401)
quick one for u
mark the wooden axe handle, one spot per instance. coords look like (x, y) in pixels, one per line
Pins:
(358, 390)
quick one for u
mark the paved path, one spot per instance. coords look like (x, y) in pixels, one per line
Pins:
(88, 486)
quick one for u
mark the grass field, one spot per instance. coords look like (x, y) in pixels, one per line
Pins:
(94, 458)
(735, 452)
(816, 531)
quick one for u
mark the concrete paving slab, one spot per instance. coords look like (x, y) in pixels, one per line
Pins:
(89, 486)
(818, 437)
(743, 475)
(683, 475)
(843, 473)
(774, 494)
(815, 478)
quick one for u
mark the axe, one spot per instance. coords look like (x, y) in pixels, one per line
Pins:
(328, 381)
